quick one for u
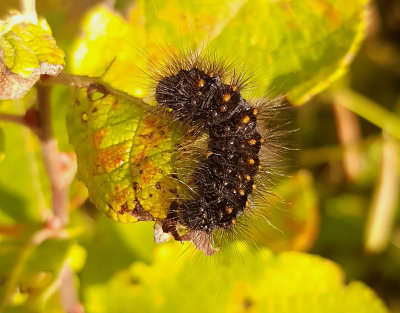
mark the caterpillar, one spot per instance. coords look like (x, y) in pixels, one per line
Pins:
(205, 95)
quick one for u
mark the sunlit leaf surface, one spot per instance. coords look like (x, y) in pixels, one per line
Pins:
(126, 156)
(27, 50)
(252, 282)
(292, 47)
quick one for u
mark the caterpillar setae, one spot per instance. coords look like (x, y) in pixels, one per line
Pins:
(206, 96)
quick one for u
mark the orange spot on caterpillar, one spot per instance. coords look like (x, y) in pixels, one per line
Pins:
(200, 83)
(241, 192)
(245, 119)
(223, 108)
(251, 161)
(255, 112)
(252, 142)
(226, 97)
(233, 222)
(234, 87)
(254, 186)
(228, 210)
(262, 140)
(247, 177)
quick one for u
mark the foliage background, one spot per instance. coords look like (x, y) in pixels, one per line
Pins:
(331, 191)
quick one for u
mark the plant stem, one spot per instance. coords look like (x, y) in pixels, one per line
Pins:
(14, 118)
(60, 175)
(383, 209)
(51, 156)
(369, 110)
(28, 8)
(71, 80)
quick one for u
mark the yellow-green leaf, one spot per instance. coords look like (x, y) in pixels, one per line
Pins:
(27, 50)
(2, 145)
(296, 48)
(126, 155)
(293, 223)
(250, 282)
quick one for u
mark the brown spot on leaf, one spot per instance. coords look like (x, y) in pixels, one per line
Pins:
(98, 137)
(110, 158)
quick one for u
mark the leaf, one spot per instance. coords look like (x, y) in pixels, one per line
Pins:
(293, 47)
(33, 271)
(121, 241)
(293, 223)
(126, 155)
(27, 50)
(2, 145)
(288, 282)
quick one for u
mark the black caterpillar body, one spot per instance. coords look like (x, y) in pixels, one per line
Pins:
(224, 179)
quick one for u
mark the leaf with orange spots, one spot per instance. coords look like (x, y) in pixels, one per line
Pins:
(125, 154)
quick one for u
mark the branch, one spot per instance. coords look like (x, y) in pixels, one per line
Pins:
(14, 118)
(382, 213)
(28, 8)
(29, 119)
(80, 81)
(60, 167)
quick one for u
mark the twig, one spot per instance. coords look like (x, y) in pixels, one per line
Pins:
(382, 213)
(69, 80)
(69, 296)
(369, 110)
(14, 118)
(28, 8)
(349, 135)
(61, 169)
(80, 81)
(29, 119)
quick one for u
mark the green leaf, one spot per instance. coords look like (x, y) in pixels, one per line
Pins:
(24, 186)
(123, 242)
(292, 222)
(27, 50)
(126, 155)
(296, 48)
(31, 271)
(264, 282)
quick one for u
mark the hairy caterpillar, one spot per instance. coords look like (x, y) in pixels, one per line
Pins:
(205, 96)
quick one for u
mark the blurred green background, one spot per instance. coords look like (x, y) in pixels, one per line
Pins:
(341, 199)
